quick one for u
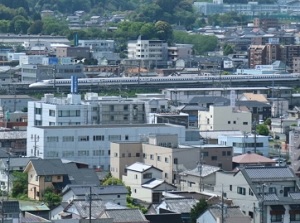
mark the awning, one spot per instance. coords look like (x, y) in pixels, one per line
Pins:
(277, 209)
(294, 209)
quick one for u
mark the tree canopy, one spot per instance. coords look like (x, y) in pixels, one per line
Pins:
(20, 183)
(262, 129)
(198, 209)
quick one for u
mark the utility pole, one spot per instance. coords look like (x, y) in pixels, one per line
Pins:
(90, 204)
(255, 136)
(8, 175)
(222, 206)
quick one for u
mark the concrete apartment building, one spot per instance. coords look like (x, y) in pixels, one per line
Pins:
(163, 152)
(74, 52)
(147, 49)
(224, 118)
(98, 45)
(180, 51)
(90, 144)
(257, 55)
(72, 110)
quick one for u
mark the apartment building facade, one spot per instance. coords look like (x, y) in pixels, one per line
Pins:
(224, 118)
(90, 144)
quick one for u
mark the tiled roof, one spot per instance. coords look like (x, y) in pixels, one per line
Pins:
(295, 196)
(153, 183)
(271, 197)
(206, 170)
(209, 99)
(251, 104)
(48, 167)
(255, 97)
(11, 207)
(180, 205)
(268, 173)
(251, 158)
(139, 167)
(99, 190)
(126, 215)
(230, 213)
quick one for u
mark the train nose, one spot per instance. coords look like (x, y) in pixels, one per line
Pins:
(35, 85)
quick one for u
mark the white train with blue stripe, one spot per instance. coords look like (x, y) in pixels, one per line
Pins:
(165, 80)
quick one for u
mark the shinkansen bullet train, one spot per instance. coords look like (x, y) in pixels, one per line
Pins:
(164, 80)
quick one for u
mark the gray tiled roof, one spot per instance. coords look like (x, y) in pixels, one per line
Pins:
(229, 212)
(81, 176)
(45, 167)
(252, 104)
(126, 215)
(260, 173)
(11, 207)
(83, 189)
(206, 170)
(209, 99)
(180, 205)
(271, 197)
(18, 161)
(295, 196)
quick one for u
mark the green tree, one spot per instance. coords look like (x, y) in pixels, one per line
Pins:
(227, 49)
(20, 183)
(262, 129)
(54, 26)
(112, 181)
(198, 209)
(36, 27)
(268, 122)
(51, 198)
(164, 31)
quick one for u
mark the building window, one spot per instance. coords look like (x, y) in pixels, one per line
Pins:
(125, 107)
(68, 139)
(129, 154)
(214, 158)
(234, 122)
(48, 178)
(83, 153)
(294, 217)
(204, 154)
(166, 175)
(230, 187)
(118, 196)
(52, 113)
(241, 190)
(175, 160)
(111, 107)
(52, 139)
(228, 153)
(223, 153)
(151, 157)
(276, 217)
(136, 176)
(245, 123)
(115, 154)
(125, 117)
(250, 192)
(114, 137)
(98, 138)
(137, 154)
(83, 138)
(229, 122)
(147, 176)
(158, 158)
(166, 160)
(126, 137)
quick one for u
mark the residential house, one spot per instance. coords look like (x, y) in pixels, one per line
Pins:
(272, 190)
(181, 206)
(10, 211)
(246, 142)
(215, 214)
(146, 182)
(39, 209)
(251, 159)
(7, 167)
(82, 209)
(53, 173)
(198, 179)
(124, 215)
(224, 118)
(253, 97)
(260, 110)
(115, 193)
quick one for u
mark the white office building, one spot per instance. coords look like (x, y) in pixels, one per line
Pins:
(147, 49)
(90, 143)
(244, 143)
(71, 110)
(98, 45)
